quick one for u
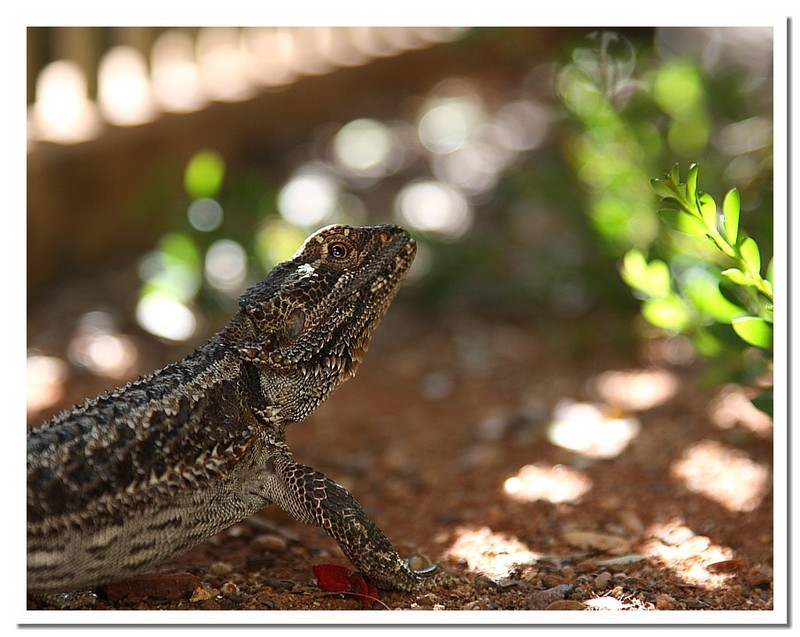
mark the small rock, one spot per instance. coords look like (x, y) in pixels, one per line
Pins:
(270, 542)
(665, 602)
(229, 588)
(617, 563)
(602, 580)
(546, 598)
(597, 541)
(221, 568)
(277, 584)
(200, 594)
(238, 530)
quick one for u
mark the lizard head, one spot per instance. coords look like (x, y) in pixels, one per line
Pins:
(308, 324)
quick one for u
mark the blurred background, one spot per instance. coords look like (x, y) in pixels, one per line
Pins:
(168, 169)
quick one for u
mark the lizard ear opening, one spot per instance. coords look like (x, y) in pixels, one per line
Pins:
(295, 323)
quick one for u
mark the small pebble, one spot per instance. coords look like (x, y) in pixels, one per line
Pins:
(665, 602)
(270, 542)
(602, 580)
(200, 594)
(229, 588)
(221, 568)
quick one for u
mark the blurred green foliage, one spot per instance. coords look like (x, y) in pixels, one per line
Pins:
(703, 276)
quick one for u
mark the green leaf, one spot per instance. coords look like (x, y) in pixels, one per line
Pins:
(738, 277)
(670, 313)
(661, 188)
(659, 280)
(771, 273)
(691, 183)
(730, 211)
(682, 222)
(751, 255)
(675, 175)
(753, 330)
(708, 209)
(707, 344)
(634, 270)
(653, 279)
(703, 290)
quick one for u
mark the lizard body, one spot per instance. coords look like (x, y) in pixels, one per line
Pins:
(124, 481)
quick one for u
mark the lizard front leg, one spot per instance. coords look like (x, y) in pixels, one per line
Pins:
(311, 497)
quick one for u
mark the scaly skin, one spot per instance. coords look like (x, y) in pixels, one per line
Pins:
(124, 481)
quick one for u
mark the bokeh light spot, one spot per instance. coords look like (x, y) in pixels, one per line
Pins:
(434, 206)
(46, 378)
(364, 148)
(165, 316)
(450, 123)
(98, 346)
(678, 89)
(205, 214)
(226, 266)
(277, 241)
(124, 91)
(204, 174)
(309, 198)
(63, 112)
(175, 75)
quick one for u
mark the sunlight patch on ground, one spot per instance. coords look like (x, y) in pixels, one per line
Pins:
(495, 555)
(725, 475)
(556, 483)
(586, 429)
(693, 558)
(731, 407)
(636, 389)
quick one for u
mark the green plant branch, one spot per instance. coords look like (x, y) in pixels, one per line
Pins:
(721, 227)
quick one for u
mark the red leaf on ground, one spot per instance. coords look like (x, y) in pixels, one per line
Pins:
(337, 579)
(361, 586)
(332, 577)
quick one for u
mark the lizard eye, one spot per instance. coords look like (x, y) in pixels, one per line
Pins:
(338, 250)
